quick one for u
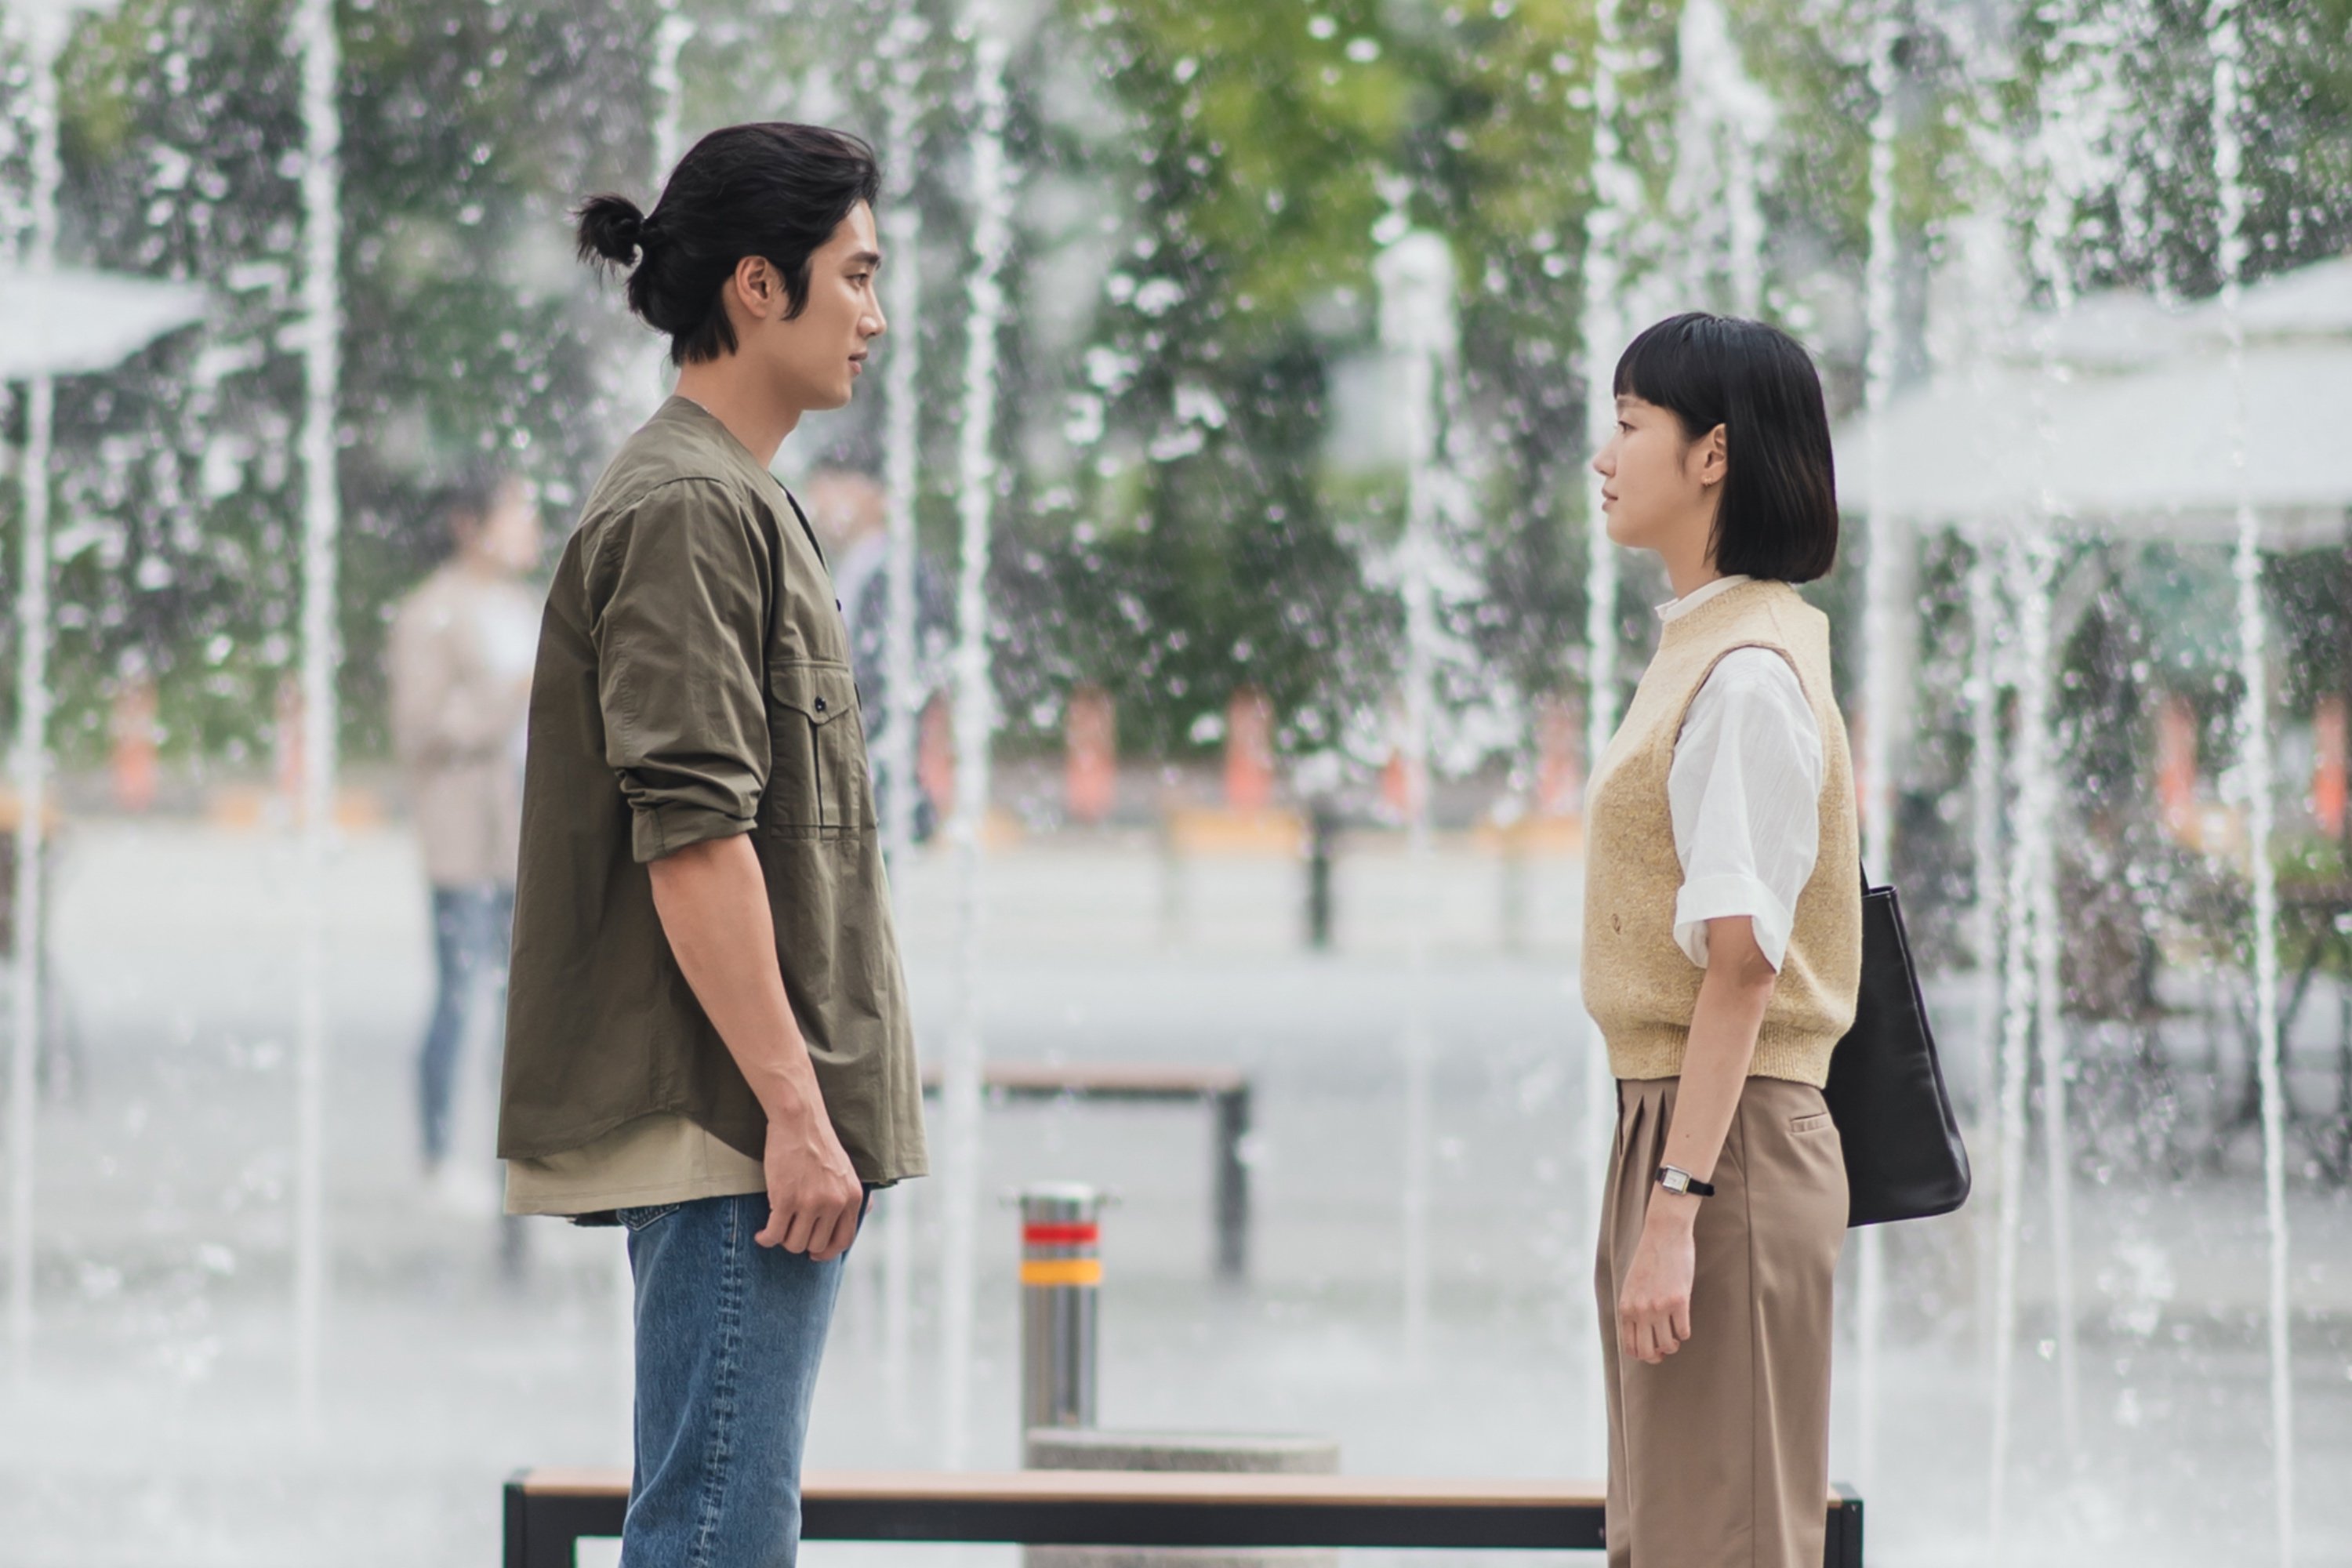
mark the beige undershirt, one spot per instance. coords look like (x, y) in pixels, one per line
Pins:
(660, 1159)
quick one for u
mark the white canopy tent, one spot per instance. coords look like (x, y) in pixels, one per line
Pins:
(53, 322)
(69, 323)
(2127, 431)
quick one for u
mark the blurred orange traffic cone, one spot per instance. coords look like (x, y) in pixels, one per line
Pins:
(132, 763)
(1249, 752)
(935, 768)
(2176, 767)
(2327, 782)
(290, 741)
(1560, 760)
(1090, 730)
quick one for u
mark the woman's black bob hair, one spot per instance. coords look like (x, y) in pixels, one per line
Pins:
(1778, 516)
(773, 189)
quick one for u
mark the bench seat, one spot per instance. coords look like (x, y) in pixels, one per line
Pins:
(548, 1509)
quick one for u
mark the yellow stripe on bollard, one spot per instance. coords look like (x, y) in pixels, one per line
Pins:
(1062, 1271)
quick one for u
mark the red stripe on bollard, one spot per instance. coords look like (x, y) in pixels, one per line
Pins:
(1061, 1235)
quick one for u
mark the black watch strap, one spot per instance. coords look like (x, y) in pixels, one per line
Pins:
(1674, 1179)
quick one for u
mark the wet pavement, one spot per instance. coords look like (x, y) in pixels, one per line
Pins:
(159, 1423)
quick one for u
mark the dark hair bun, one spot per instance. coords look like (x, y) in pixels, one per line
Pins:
(610, 230)
(776, 189)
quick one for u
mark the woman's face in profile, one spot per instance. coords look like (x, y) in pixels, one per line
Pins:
(1655, 481)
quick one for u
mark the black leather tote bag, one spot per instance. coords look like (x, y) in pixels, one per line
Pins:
(1904, 1158)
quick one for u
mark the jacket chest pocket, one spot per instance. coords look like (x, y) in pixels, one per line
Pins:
(816, 774)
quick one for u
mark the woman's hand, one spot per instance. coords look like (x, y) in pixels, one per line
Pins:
(1653, 1309)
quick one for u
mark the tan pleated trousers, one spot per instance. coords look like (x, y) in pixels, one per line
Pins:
(1719, 1456)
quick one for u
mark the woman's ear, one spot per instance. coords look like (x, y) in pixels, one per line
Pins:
(1715, 455)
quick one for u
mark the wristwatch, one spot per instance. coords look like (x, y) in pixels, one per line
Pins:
(1674, 1179)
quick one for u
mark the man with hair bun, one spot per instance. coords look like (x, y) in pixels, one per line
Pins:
(707, 1035)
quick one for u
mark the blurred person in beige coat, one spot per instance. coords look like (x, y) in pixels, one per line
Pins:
(462, 647)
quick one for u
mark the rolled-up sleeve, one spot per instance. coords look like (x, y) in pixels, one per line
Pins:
(678, 597)
(1745, 792)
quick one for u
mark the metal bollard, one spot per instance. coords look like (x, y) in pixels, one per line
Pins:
(1061, 1281)
(1322, 828)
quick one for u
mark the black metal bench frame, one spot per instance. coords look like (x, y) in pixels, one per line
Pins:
(547, 1512)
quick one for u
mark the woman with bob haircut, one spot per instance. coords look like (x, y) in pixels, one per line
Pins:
(1722, 952)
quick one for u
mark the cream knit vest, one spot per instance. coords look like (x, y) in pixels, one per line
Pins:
(1641, 987)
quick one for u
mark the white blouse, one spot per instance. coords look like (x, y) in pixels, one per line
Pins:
(1745, 793)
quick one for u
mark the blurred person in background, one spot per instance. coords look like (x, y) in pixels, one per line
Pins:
(851, 513)
(1721, 958)
(461, 651)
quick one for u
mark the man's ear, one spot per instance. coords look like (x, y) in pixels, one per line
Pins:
(757, 288)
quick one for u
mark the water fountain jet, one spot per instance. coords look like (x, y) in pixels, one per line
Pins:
(1617, 196)
(46, 27)
(1888, 632)
(1418, 329)
(975, 719)
(2029, 562)
(60, 323)
(902, 229)
(644, 381)
(319, 334)
(2254, 725)
(1724, 124)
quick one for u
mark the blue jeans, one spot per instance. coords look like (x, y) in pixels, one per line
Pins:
(471, 927)
(729, 1337)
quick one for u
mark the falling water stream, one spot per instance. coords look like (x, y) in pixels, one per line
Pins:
(321, 336)
(975, 718)
(2254, 728)
(643, 377)
(2029, 562)
(2066, 132)
(46, 27)
(902, 232)
(2066, 156)
(646, 372)
(2031, 567)
(1417, 327)
(1616, 197)
(1983, 692)
(1889, 630)
(1988, 316)
(672, 31)
(1724, 121)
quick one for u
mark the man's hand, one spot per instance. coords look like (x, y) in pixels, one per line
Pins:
(714, 907)
(1653, 1309)
(814, 1199)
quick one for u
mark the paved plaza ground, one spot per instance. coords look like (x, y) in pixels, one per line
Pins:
(158, 1425)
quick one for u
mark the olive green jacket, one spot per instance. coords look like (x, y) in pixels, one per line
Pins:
(693, 682)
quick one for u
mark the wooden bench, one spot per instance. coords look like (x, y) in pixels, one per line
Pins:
(1225, 1089)
(548, 1511)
